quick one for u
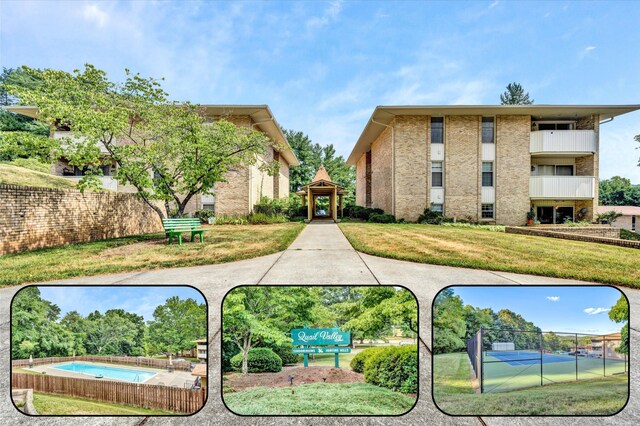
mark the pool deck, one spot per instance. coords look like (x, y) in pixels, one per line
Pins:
(162, 377)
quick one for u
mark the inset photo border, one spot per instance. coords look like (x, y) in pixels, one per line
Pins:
(109, 350)
(320, 350)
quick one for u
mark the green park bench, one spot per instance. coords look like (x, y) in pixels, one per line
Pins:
(175, 228)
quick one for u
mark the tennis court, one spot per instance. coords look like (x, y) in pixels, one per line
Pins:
(506, 360)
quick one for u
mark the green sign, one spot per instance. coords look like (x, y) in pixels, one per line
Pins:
(321, 350)
(320, 337)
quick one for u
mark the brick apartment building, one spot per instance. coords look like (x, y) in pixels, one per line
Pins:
(243, 187)
(483, 163)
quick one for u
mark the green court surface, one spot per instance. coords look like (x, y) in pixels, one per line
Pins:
(505, 376)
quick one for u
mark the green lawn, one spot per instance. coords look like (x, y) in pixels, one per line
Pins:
(47, 404)
(319, 399)
(223, 243)
(498, 251)
(453, 393)
(14, 175)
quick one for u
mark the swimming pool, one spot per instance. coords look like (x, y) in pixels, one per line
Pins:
(128, 375)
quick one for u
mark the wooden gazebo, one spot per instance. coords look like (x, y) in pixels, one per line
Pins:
(322, 186)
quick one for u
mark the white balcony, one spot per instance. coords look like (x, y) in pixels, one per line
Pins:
(107, 182)
(59, 134)
(562, 187)
(562, 142)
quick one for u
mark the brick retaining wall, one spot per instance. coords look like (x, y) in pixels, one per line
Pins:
(555, 233)
(32, 218)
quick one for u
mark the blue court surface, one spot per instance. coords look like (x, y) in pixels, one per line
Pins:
(526, 357)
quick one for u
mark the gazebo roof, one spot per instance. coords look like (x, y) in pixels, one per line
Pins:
(321, 174)
(321, 179)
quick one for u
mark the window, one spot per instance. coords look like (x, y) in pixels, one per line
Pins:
(437, 208)
(437, 130)
(487, 173)
(487, 129)
(487, 211)
(436, 174)
(554, 126)
(551, 170)
(564, 170)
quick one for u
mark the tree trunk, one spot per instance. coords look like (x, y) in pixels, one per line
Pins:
(245, 362)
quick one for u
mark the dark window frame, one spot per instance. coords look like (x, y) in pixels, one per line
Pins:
(488, 130)
(437, 130)
(438, 174)
(487, 175)
(492, 211)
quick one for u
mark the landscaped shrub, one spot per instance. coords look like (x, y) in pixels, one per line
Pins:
(433, 218)
(225, 219)
(203, 215)
(271, 207)
(284, 352)
(263, 219)
(297, 211)
(625, 234)
(381, 218)
(359, 212)
(229, 350)
(358, 361)
(494, 228)
(259, 360)
(395, 367)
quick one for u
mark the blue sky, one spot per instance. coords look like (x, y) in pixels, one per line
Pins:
(141, 300)
(324, 66)
(582, 309)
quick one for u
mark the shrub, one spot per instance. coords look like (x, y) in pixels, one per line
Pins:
(229, 350)
(32, 164)
(358, 361)
(284, 352)
(263, 219)
(395, 367)
(225, 219)
(359, 212)
(625, 234)
(381, 218)
(203, 215)
(433, 218)
(494, 228)
(271, 207)
(259, 360)
(609, 217)
(297, 211)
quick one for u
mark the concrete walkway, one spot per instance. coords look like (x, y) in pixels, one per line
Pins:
(322, 255)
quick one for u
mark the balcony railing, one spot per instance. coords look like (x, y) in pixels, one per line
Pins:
(562, 141)
(562, 187)
(107, 182)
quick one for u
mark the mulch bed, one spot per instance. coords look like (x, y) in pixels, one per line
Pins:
(301, 375)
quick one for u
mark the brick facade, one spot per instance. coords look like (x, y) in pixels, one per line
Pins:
(512, 169)
(381, 171)
(361, 180)
(461, 166)
(32, 218)
(410, 166)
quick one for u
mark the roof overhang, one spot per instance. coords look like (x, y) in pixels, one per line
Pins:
(261, 115)
(383, 115)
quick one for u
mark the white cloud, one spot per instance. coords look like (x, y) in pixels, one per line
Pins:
(93, 13)
(494, 4)
(329, 15)
(553, 298)
(595, 311)
(586, 51)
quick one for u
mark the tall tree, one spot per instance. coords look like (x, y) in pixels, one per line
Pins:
(618, 191)
(165, 150)
(251, 315)
(176, 325)
(449, 327)
(620, 314)
(515, 95)
(311, 157)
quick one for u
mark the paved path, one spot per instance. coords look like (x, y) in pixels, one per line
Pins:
(322, 255)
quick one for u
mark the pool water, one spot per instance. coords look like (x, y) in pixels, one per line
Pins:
(134, 376)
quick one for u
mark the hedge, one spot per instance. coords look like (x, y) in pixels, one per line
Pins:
(284, 352)
(358, 361)
(259, 360)
(395, 367)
